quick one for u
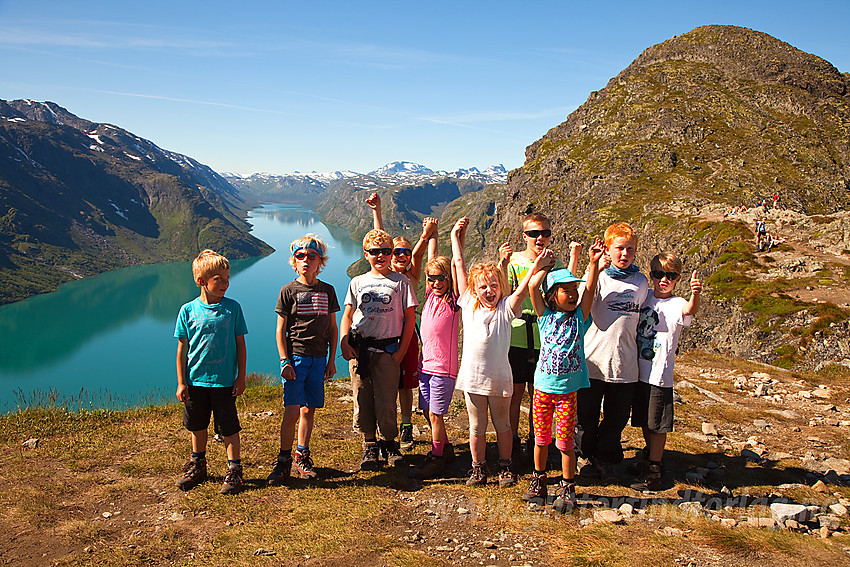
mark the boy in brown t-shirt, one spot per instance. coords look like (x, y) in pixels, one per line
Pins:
(306, 335)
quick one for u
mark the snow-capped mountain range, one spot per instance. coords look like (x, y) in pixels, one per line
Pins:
(392, 173)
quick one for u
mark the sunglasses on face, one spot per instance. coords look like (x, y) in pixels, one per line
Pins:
(300, 255)
(402, 251)
(379, 251)
(437, 277)
(658, 274)
(546, 233)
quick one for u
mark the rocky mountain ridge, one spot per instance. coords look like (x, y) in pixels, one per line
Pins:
(701, 123)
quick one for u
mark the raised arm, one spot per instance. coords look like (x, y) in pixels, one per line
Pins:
(696, 289)
(429, 227)
(433, 243)
(458, 238)
(374, 202)
(575, 252)
(505, 252)
(534, 292)
(544, 260)
(597, 250)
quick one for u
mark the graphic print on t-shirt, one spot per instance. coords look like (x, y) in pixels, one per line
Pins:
(624, 303)
(646, 333)
(311, 303)
(565, 331)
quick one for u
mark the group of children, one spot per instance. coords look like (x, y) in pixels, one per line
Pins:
(601, 344)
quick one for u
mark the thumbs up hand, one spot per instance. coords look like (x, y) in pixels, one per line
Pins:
(696, 284)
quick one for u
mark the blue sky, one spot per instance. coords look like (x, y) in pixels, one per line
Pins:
(280, 86)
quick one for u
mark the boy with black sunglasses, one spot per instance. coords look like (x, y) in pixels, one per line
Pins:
(662, 318)
(377, 327)
(306, 337)
(525, 337)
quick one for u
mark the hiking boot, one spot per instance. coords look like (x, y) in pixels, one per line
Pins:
(507, 478)
(432, 467)
(394, 457)
(477, 475)
(406, 437)
(651, 481)
(281, 471)
(537, 492)
(232, 480)
(304, 464)
(565, 499)
(369, 462)
(194, 473)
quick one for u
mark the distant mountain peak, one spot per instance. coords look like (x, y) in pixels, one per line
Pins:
(402, 167)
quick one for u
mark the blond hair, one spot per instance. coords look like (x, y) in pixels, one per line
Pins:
(539, 218)
(401, 240)
(666, 261)
(443, 264)
(480, 272)
(304, 242)
(375, 237)
(208, 262)
(619, 230)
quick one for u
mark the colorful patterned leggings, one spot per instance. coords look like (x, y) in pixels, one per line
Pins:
(563, 407)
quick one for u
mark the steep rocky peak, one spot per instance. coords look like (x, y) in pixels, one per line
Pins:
(745, 52)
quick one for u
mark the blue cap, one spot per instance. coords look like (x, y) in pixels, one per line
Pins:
(559, 276)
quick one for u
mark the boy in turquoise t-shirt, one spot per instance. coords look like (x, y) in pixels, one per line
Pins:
(211, 358)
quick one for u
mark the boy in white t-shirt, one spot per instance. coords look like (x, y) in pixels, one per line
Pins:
(611, 354)
(662, 318)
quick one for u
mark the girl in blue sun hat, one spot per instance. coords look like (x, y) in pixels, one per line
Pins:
(563, 318)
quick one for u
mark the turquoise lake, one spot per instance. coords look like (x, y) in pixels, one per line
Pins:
(108, 341)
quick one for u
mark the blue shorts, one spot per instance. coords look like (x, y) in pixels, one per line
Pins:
(308, 386)
(435, 393)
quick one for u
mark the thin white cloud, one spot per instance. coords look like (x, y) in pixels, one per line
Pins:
(194, 101)
(37, 35)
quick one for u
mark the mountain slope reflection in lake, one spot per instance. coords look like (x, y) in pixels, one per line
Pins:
(112, 335)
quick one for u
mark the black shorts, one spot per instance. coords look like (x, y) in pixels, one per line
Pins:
(205, 400)
(653, 408)
(522, 365)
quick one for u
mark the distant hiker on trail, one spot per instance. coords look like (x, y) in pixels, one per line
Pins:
(564, 317)
(525, 336)
(485, 375)
(377, 326)
(611, 350)
(663, 316)
(407, 260)
(306, 336)
(776, 199)
(761, 233)
(210, 333)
